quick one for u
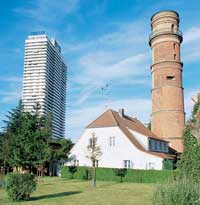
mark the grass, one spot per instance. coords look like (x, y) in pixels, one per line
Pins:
(74, 192)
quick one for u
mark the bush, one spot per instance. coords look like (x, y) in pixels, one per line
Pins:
(20, 186)
(120, 173)
(72, 170)
(107, 174)
(180, 192)
(168, 164)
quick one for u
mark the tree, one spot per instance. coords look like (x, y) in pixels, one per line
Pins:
(189, 164)
(194, 112)
(184, 187)
(59, 153)
(5, 149)
(94, 153)
(30, 134)
(66, 145)
(6, 138)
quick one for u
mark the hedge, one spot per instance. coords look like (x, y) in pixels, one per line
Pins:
(108, 174)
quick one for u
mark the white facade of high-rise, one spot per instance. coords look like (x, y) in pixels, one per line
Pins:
(45, 80)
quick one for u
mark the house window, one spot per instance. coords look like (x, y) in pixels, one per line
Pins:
(127, 164)
(151, 165)
(165, 147)
(156, 145)
(76, 162)
(95, 163)
(150, 144)
(160, 147)
(111, 141)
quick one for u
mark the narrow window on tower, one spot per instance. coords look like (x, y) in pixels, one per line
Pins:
(174, 46)
(170, 77)
(172, 27)
(174, 56)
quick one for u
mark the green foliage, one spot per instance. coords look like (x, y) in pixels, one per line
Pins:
(189, 165)
(20, 186)
(107, 174)
(168, 164)
(194, 112)
(62, 152)
(27, 137)
(4, 149)
(72, 170)
(120, 173)
(59, 153)
(6, 137)
(66, 145)
(180, 192)
(184, 189)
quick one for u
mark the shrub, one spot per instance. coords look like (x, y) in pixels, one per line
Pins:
(72, 170)
(107, 174)
(20, 186)
(120, 173)
(189, 165)
(180, 192)
(168, 164)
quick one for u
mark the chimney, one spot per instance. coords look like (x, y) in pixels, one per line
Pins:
(121, 112)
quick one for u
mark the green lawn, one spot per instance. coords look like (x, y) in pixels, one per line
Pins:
(73, 192)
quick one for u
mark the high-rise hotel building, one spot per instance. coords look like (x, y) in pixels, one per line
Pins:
(45, 80)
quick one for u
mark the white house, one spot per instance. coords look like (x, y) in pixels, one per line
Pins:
(124, 142)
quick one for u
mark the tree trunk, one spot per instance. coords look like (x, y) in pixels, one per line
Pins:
(4, 167)
(53, 170)
(94, 178)
(4, 172)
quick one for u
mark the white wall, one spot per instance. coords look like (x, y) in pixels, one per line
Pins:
(113, 156)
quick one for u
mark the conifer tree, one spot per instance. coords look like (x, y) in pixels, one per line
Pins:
(30, 135)
(14, 119)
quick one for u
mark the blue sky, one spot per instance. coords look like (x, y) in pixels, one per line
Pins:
(105, 45)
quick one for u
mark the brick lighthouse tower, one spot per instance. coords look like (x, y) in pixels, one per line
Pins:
(168, 117)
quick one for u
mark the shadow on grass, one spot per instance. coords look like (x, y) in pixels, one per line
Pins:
(54, 195)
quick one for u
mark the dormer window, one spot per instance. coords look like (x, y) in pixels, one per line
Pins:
(150, 144)
(165, 147)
